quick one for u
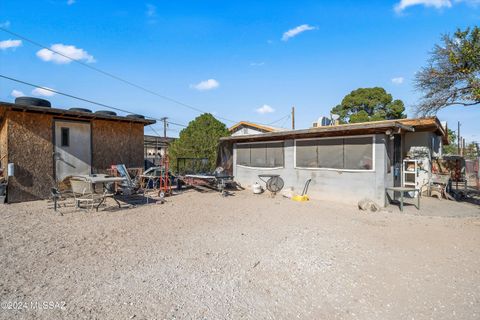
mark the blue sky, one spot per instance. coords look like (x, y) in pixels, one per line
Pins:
(240, 60)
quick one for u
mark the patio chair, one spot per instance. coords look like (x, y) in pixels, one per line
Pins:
(83, 192)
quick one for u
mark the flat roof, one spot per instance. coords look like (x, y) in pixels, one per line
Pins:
(430, 124)
(72, 114)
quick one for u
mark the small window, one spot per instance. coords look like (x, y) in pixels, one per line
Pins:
(65, 137)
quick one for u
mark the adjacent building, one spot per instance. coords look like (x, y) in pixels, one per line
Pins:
(345, 162)
(245, 128)
(47, 145)
(155, 148)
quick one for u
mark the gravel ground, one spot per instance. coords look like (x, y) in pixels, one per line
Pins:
(201, 256)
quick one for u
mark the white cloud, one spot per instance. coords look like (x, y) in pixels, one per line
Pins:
(265, 109)
(151, 10)
(206, 85)
(398, 80)
(404, 4)
(70, 2)
(5, 24)
(43, 92)
(296, 31)
(67, 50)
(10, 44)
(17, 93)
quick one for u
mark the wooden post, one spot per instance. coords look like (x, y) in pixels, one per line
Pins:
(164, 119)
(293, 117)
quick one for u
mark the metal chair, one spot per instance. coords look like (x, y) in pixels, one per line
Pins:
(83, 192)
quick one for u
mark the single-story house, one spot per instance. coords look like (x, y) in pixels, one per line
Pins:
(47, 144)
(345, 162)
(245, 127)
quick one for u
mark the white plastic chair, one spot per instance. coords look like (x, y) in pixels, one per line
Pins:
(83, 192)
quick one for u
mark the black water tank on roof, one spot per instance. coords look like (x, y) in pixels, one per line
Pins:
(135, 116)
(106, 112)
(36, 102)
(80, 110)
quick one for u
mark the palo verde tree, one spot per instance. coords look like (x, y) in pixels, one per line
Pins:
(199, 140)
(369, 104)
(452, 75)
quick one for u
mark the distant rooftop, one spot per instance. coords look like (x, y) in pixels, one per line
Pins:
(260, 127)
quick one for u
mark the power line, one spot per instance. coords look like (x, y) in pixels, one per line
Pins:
(286, 116)
(76, 97)
(108, 74)
(283, 124)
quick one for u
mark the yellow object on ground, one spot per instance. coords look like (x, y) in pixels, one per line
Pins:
(300, 198)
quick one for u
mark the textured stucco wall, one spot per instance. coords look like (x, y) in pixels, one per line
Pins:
(30, 148)
(116, 143)
(336, 185)
(3, 141)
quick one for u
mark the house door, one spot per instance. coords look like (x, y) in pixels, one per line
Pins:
(73, 154)
(397, 160)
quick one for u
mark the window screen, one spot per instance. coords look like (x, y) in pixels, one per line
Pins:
(358, 153)
(306, 153)
(262, 155)
(65, 138)
(339, 153)
(330, 153)
(243, 155)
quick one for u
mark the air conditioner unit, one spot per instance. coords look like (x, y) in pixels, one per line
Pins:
(314, 125)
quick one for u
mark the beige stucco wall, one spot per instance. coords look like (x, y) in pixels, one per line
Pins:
(29, 140)
(30, 148)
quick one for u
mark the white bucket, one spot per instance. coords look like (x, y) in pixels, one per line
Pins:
(257, 188)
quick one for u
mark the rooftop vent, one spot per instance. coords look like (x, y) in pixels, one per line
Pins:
(80, 110)
(36, 102)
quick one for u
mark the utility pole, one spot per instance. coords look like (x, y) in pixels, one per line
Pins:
(459, 139)
(164, 119)
(293, 117)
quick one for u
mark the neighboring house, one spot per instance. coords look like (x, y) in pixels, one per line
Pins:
(155, 148)
(345, 162)
(46, 145)
(245, 128)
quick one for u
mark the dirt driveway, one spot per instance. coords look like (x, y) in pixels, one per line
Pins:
(201, 256)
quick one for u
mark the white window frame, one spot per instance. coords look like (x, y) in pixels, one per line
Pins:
(260, 142)
(335, 169)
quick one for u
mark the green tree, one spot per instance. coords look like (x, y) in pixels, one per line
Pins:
(452, 147)
(199, 140)
(369, 104)
(452, 76)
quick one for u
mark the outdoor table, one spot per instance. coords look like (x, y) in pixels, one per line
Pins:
(102, 179)
(402, 191)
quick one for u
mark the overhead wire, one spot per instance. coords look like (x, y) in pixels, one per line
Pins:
(76, 97)
(111, 75)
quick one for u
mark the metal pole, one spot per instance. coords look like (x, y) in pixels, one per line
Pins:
(458, 138)
(293, 117)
